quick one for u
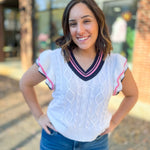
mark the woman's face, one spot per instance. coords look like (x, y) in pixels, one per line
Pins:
(83, 27)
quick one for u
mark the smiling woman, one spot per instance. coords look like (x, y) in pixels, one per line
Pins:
(102, 42)
(83, 74)
(83, 27)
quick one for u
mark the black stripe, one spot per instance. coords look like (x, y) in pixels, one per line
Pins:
(91, 67)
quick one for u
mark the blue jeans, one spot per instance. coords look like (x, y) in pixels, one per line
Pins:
(56, 141)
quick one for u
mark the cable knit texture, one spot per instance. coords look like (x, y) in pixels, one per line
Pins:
(79, 109)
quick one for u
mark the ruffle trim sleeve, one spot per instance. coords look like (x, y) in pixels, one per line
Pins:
(119, 72)
(45, 67)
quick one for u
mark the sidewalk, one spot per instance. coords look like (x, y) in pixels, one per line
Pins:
(11, 68)
(19, 130)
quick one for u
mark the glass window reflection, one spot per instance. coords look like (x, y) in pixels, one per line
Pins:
(41, 5)
(120, 17)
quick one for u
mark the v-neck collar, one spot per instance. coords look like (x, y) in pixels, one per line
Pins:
(91, 72)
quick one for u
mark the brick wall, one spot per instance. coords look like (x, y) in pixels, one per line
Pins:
(1, 34)
(141, 58)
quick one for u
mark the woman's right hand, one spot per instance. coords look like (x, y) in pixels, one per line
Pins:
(44, 122)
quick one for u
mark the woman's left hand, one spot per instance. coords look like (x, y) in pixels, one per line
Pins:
(112, 126)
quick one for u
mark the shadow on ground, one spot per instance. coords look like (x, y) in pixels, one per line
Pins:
(19, 130)
(131, 134)
(7, 86)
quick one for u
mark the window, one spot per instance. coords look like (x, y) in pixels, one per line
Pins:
(12, 32)
(120, 17)
(47, 23)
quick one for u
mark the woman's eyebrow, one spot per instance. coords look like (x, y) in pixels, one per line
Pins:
(86, 16)
(81, 18)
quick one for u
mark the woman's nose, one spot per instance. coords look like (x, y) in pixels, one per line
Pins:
(80, 29)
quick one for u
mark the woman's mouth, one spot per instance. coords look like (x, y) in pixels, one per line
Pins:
(82, 38)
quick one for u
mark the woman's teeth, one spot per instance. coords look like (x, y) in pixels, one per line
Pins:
(81, 39)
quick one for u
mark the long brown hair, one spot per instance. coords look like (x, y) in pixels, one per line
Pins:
(103, 42)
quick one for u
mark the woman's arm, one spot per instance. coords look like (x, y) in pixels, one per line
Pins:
(130, 92)
(31, 78)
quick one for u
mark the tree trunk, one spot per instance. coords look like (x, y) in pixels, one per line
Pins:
(25, 7)
(2, 57)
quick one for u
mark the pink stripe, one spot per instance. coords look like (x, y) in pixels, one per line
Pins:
(96, 66)
(81, 72)
(76, 67)
(97, 62)
(46, 74)
(115, 91)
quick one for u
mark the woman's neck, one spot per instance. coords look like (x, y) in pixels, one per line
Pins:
(91, 54)
(84, 58)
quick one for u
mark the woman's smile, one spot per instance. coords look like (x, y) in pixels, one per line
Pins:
(83, 38)
(83, 27)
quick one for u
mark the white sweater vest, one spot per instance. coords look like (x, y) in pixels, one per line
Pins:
(79, 109)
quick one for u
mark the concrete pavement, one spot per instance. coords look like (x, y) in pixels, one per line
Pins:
(11, 68)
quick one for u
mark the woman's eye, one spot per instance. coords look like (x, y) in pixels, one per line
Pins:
(72, 24)
(87, 21)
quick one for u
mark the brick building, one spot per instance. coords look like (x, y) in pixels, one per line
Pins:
(141, 59)
(38, 24)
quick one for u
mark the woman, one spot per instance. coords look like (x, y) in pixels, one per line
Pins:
(84, 74)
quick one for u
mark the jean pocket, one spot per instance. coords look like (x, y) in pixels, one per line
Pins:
(52, 131)
(99, 137)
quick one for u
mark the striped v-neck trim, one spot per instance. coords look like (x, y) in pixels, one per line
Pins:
(91, 72)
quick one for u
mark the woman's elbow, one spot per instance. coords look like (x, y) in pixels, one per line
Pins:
(136, 95)
(22, 84)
